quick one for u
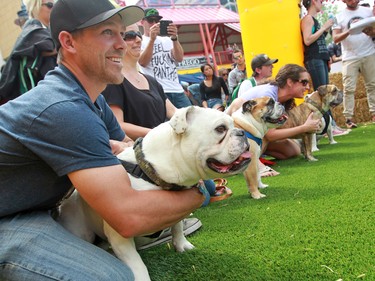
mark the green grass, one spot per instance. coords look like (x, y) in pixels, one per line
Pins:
(316, 223)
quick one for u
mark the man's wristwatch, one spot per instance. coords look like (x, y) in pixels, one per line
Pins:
(174, 38)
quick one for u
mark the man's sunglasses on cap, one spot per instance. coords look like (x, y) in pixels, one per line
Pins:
(131, 35)
(152, 20)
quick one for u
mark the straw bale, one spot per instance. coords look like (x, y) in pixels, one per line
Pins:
(361, 110)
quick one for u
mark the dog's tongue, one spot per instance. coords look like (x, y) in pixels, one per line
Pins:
(283, 118)
(243, 157)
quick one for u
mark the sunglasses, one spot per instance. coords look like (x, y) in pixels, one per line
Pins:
(224, 74)
(304, 82)
(49, 5)
(239, 57)
(152, 20)
(131, 35)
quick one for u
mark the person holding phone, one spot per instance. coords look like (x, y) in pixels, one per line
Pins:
(160, 54)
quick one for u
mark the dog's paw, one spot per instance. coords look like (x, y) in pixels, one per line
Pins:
(333, 142)
(315, 149)
(182, 245)
(262, 185)
(310, 158)
(257, 195)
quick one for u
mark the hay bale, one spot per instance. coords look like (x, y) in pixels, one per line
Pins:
(361, 109)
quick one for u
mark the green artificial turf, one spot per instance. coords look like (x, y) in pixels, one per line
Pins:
(316, 223)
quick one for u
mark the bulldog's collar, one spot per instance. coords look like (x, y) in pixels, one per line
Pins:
(149, 170)
(313, 103)
(254, 138)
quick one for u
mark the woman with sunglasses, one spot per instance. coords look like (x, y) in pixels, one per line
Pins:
(292, 81)
(316, 54)
(33, 55)
(139, 103)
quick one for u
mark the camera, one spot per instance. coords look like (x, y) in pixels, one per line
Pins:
(163, 27)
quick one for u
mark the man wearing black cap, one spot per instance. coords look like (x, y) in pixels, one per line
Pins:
(159, 57)
(58, 135)
(262, 66)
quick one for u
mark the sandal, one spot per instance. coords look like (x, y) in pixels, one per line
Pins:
(220, 182)
(222, 193)
(268, 172)
(350, 124)
(267, 162)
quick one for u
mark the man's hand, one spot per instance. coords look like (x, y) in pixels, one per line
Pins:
(172, 30)
(119, 146)
(154, 31)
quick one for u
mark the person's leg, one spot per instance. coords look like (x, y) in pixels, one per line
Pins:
(210, 186)
(214, 103)
(350, 70)
(318, 70)
(35, 247)
(368, 72)
(283, 149)
(179, 100)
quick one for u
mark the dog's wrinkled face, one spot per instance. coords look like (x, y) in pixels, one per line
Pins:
(265, 108)
(201, 143)
(331, 96)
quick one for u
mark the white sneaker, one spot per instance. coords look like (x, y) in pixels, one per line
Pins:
(190, 225)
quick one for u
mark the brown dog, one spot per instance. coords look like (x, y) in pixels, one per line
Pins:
(319, 102)
(255, 117)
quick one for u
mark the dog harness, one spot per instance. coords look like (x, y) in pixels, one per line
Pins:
(254, 138)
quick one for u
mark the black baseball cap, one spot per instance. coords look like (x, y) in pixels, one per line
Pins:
(152, 13)
(260, 60)
(71, 15)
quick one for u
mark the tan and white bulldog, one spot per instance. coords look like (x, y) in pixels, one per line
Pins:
(255, 117)
(195, 144)
(319, 102)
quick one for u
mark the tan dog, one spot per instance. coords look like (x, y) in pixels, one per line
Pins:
(319, 102)
(255, 117)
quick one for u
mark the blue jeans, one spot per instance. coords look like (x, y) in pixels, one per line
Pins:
(318, 70)
(35, 247)
(179, 100)
(212, 102)
(210, 186)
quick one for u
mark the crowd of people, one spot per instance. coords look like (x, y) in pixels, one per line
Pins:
(89, 74)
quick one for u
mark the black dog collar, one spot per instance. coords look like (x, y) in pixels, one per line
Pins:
(148, 171)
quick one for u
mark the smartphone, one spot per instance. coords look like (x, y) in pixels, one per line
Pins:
(163, 27)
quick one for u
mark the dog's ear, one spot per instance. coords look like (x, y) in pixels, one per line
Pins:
(323, 90)
(271, 102)
(179, 120)
(247, 106)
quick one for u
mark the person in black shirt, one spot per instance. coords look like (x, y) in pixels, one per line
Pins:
(210, 88)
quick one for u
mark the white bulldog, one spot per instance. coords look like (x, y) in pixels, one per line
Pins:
(195, 144)
(257, 116)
